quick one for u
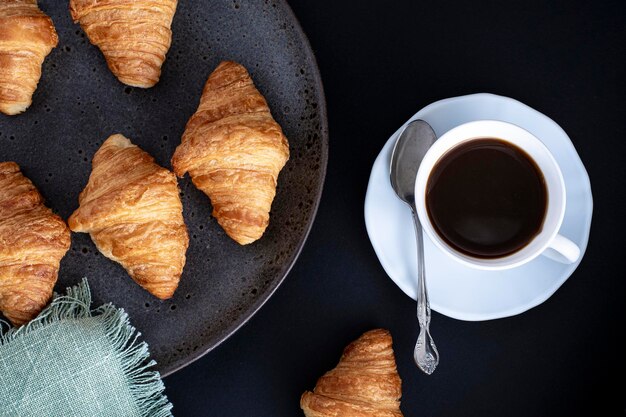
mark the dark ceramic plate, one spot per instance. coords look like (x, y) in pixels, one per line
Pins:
(79, 103)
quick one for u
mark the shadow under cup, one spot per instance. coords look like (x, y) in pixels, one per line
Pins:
(467, 137)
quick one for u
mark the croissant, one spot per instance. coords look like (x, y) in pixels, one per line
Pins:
(32, 242)
(365, 383)
(233, 150)
(133, 35)
(131, 208)
(27, 36)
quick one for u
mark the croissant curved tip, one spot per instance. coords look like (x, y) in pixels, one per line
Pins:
(118, 140)
(242, 233)
(242, 240)
(73, 223)
(16, 321)
(14, 108)
(139, 83)
(163, 294)
(176, 165)
(162, 287)
(9, 167)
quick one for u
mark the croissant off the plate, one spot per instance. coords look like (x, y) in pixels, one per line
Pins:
(131, 208)
(234, 150)
(365, 383)
(27, 36)
(33, 240)
(133, 35)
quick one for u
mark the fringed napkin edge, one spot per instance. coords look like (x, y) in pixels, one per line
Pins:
(145, 385)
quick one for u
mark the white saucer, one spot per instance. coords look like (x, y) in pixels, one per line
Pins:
(456, 290)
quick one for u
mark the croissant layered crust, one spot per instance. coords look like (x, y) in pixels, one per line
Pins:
(27, 36)
(131, 207)
(365, 383)
(234, 150)
(133, 35)
(33, 241)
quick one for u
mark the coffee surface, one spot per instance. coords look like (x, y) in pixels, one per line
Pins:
(486, 198)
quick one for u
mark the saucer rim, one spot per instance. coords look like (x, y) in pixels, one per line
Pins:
(584, 186)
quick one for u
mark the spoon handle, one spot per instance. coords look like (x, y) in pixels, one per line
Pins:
(425, 355)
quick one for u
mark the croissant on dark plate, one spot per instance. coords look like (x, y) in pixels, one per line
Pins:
(133, 35)
(131, 208)
(27, 36)
(33, 240)
(234, 150)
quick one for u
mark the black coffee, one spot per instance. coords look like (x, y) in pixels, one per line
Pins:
(486, 198)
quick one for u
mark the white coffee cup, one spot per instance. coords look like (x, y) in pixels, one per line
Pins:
(548, 241)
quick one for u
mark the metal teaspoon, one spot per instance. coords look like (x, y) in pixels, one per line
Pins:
(407, 155)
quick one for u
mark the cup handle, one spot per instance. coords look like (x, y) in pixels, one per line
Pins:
(563, 250)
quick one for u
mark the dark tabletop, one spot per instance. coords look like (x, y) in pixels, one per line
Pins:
(380, 63)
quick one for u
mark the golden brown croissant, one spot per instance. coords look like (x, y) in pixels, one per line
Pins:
(233, 150)
(365, 383)
(27, 36)
(133, 35)
(131, 208)
(32, 242)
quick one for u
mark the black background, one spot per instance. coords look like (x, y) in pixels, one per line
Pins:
(380, 63)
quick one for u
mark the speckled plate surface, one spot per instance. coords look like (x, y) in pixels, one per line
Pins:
(79, 103)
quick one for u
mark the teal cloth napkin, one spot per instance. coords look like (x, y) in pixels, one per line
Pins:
(75, 361)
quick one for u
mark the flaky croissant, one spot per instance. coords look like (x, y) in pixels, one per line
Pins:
(131, 208)
(32, 242)
(133, 35)
(365, 383)
(233, 150)
(27, 36)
